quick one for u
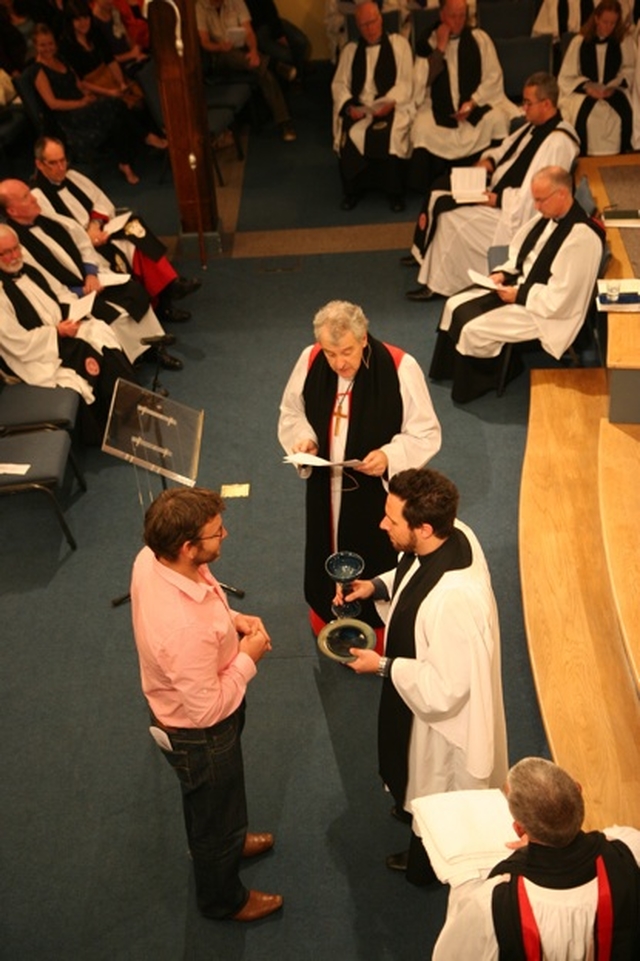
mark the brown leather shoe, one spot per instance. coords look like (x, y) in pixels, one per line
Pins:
(255, 844)
(259, 906)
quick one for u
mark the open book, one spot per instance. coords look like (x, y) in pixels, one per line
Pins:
(469, 185)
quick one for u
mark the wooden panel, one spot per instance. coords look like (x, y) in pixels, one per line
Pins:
(586, 692)
(619, 486)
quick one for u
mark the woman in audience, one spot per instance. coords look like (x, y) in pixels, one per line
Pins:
(595, 82)
(101, 74)
(109, 23)
(79, 113)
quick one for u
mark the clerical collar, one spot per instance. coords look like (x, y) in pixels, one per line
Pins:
(601, 39)
(13, 275)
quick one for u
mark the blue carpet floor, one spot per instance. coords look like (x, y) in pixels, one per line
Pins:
(94, 861)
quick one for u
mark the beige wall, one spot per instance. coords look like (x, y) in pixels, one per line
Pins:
(309, 16)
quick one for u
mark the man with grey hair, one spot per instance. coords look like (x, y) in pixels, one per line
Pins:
(351, 397)
(42, 346)
(542, 291)
(562, 894)
(61, 250)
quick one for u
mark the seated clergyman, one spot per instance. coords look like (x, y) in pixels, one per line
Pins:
(542, 291)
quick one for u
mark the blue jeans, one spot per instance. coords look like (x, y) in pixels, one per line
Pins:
(208, 763)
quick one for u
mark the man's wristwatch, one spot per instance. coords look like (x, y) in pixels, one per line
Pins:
(384, 667)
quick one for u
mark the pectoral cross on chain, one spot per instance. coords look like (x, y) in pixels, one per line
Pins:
(337, 414)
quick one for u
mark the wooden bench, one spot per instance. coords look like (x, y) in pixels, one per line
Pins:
(588, 696)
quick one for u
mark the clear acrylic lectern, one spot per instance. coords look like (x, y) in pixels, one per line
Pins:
(154, 432)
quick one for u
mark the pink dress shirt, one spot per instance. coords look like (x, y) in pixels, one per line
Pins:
(193, 673)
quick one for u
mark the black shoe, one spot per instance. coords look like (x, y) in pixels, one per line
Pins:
(169, 340)
(409, 261)
(398, 862)
(400, 815)
(183, 286)
(349, 201)
(173, 315)
(167, 361)
(421, 293)
(396, 202)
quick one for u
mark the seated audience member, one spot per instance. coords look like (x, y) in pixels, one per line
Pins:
(226, 33)
(372, 108)
(135, 22)
(557, 18)
(44, 349)
(562, 893)
(13, 46)
(335, 20)
(544, 290)
(109, 23)
(19, 17)
(60, 249)
(101, 74)
(68, 193)
(286, 45)
(458, 92)
(49, 12)
(595, 81)
(450, 238)
(80, 115)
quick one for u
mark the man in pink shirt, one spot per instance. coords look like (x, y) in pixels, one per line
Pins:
(196, 658)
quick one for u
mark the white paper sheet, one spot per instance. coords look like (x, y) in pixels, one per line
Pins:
(311, 460)
(117, 223)
(81, 307)
(481, 280)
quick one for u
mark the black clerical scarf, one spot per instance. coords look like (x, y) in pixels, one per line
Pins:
(514, 176)
(27, 315)
(589, 59)
(42, 254)
(469, 79)
(617, 101)
(563, 869)
(538, 274)
(586, 9)
(541, 268)
(52, 193)
(375, 416)
(395, 718)
(142, 238)
(385, 71)
(130, 296)
(74, 352)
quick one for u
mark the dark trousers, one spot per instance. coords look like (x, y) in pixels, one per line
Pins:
(208, 763)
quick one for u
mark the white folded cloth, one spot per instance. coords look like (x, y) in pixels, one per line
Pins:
(464, 832)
